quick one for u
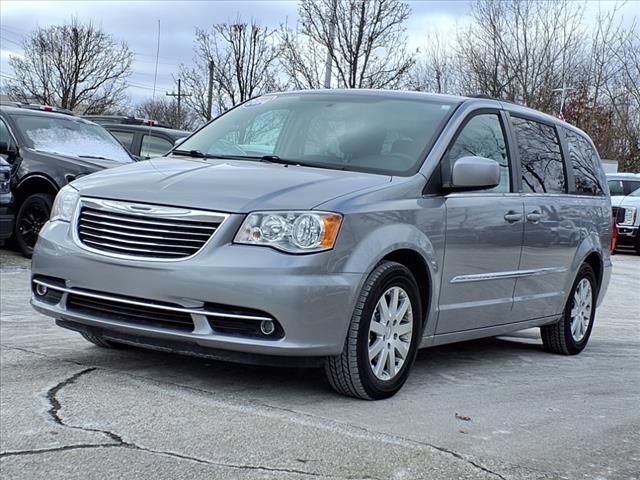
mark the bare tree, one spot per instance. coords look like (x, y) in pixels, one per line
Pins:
(436, 69)
(166, 111)
(243, 56)
(75, 66)
(365, 39)
(521, 49)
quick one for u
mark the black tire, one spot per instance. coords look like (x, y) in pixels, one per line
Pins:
(557, 338)
(100, 342)
(32, 215)
(351, 372)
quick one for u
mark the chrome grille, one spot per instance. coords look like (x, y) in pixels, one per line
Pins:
(144, 231)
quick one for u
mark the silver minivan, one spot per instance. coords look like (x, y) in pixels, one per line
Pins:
(346, 228)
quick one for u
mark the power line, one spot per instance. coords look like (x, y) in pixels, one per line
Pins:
(11, 41)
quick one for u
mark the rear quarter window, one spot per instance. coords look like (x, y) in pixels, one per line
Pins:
(585, 164)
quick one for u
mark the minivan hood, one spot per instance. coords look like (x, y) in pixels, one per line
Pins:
(232, 186)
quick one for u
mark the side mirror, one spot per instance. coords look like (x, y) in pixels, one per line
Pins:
(474, 173)
(179, 141)
(9, 150)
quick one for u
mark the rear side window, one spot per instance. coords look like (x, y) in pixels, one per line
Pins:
(540, 157)
(585, 164)
(153, 146)
(4, 133)
(125, 138)
(623, 187)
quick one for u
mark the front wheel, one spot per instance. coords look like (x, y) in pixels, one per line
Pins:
(570, 335)
(383, 336)
(32, 215)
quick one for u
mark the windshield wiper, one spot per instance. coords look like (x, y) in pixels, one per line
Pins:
(192, 153)
(93, 156)
(257, 158)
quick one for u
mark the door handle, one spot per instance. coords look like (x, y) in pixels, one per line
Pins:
(512, 216)
(534, 216)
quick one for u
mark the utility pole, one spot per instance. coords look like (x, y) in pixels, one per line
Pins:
(332, 35)
(210, 97)
(179, 95)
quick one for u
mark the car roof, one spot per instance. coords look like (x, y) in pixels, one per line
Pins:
(624, 176)
(39, 113)
(366, 92)
(147, 128)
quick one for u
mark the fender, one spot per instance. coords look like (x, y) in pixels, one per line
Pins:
(36, 176)
(590, 244)
(401, 236)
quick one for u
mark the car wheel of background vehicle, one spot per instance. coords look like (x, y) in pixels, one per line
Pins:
(101, 342)
(32, 215)
(570, 335)
(383, 336)
(638, 243)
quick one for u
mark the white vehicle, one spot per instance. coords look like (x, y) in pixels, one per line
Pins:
(625, 201)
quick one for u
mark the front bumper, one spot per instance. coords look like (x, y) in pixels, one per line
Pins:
(6, 217)
(627, 234)
(312, 305)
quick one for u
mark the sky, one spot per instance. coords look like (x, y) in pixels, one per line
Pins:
(136, 23)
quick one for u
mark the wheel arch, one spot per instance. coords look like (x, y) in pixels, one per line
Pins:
(36, 183)
(417, 265)
(409, 246)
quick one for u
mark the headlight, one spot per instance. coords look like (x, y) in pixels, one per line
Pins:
(65, 204)
(293, 232)
(629, 216)
(5, 180)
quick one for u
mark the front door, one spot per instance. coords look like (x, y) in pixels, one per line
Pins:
(483, 236)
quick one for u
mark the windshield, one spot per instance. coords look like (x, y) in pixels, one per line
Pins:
(364, 133)
(71, 136)
(635, 193)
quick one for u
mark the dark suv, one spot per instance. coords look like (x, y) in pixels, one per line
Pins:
(46, 151)
(146, 142)
(6, 202)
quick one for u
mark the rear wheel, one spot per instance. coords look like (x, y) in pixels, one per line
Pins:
(32, 215)
(570, 335)
(383, 336)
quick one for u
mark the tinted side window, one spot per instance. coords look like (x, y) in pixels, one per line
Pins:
(585, 163)
(154, 146)
(540, 157)
(4, 133)
(630, 186)
(482, 136)
(125, 138)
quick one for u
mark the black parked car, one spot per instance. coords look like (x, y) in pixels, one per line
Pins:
(146, 142)
(6, 201)
(123, 120)
(46, 151)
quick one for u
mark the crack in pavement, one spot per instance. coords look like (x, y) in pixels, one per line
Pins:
(118, 441)
(56, 406)
(80, 446)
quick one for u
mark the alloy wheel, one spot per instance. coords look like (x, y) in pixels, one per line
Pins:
(390, 333)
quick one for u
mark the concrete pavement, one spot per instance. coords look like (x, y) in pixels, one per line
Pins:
(495, 408)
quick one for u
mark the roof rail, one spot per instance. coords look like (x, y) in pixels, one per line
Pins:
(489, 97)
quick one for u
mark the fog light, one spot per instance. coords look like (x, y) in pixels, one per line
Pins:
(267, 327)
(41, 290)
